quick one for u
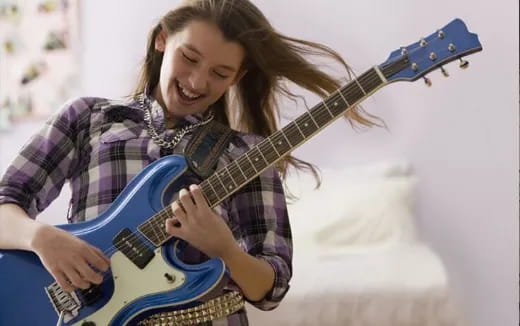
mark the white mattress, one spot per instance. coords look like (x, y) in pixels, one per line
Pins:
(404, 285)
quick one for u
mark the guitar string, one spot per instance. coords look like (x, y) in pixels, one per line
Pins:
(147, 227)
(321, 108)
(334, 98)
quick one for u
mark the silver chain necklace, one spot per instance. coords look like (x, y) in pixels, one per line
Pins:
(160, 141)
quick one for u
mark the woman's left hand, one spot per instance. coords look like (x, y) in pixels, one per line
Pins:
(199, 225)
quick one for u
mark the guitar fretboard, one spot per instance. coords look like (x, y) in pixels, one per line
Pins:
(245, 168)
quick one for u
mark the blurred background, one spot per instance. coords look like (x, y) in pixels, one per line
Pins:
(459, 138)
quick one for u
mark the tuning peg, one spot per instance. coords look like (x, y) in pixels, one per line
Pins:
(427, 81)
(463, 64)
(444, 72)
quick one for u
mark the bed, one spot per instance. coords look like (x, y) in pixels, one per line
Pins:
(358, 258)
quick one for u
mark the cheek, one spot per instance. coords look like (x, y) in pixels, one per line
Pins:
(220, 87)
(169, 70)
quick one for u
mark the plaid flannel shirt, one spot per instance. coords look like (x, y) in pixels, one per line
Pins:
(99, 145)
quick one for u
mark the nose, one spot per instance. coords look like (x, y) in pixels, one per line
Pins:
(198, 80)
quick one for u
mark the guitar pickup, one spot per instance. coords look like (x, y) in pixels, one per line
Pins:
(133, 248)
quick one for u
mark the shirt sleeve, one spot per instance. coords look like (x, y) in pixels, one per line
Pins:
(37, 174)
(261, 212)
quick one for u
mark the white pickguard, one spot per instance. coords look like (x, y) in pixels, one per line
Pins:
(131, 283)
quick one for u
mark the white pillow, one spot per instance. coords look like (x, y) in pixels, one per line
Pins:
(355, 208)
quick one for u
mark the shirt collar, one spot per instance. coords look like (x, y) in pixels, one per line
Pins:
(133, 110)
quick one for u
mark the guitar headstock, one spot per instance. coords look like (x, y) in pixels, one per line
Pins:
(449, 43)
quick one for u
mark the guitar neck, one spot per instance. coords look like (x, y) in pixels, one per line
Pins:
(249, 165)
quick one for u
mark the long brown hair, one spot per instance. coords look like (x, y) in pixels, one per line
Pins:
(271, 59)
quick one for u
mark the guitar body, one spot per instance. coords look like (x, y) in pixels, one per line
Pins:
(129, 293)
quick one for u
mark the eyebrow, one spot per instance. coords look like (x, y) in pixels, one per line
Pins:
(194, 49)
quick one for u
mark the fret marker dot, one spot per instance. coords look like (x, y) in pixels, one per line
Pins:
(280, 143)
(306, 124)
(230, 187)
(335, 103)
(256, 159)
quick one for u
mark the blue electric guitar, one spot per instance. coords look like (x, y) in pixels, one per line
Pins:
(146, 275)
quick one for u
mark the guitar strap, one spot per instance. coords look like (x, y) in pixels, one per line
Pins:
(206, 146)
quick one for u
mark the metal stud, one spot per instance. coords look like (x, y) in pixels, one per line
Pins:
(451, 47)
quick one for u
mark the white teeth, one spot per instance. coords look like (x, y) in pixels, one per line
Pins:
(187, 93)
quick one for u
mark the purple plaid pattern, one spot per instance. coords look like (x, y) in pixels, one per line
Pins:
(99, 145)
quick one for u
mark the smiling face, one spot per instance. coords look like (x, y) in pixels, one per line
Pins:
(199, 65)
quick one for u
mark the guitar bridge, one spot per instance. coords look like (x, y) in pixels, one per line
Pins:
(68, 303)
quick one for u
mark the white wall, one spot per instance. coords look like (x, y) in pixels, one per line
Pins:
(461, 135)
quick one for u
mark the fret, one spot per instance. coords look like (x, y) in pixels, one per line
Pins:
(312, 118)
(230, 175)
(271, 142)
(353, 92)
(361, 87)
(370, 80)
(162, 227)
(157, 223)
(344, 100)
(294, 133)
(266, 148)
(148, 230)
(299, 129)
(206, 196)
(211, 197)
(152, 226)
(252, 164)
(335, 103)
(222, 183)
(321, 115)
(257, 159)
(305, 125)
(208, 180)
(224, 180)
(286, 139)
(219, 187)
(328, 110)
(238, 165)
(237, 172)
(281, 142)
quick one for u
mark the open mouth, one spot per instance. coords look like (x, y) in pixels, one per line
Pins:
(186, 95)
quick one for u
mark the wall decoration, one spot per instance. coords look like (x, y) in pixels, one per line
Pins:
(39, 57)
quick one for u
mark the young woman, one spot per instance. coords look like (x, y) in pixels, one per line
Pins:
(201, 57)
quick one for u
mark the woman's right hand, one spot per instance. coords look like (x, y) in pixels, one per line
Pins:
(68, 258)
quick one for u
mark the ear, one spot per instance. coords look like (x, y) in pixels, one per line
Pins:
(160, 41)
(239, 76)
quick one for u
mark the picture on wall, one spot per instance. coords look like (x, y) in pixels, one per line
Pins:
(39, 57)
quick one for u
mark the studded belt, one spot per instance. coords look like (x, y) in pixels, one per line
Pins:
(215, 308)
